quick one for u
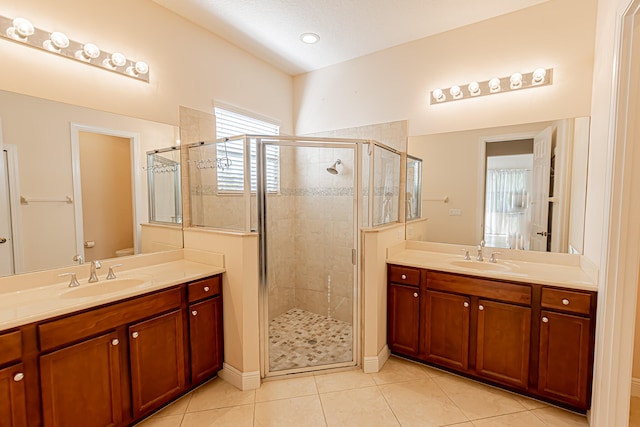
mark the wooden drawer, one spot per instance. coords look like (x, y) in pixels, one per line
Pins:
(404, 275)
(204, 289)
(79, 326)
(490, 289)
(10, 347)
(562, 299)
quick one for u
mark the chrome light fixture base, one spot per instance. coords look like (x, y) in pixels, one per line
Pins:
(514, 82)
(20, 30)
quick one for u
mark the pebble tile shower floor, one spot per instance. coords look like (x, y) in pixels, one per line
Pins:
(299, 338)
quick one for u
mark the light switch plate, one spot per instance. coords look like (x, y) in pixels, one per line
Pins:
(455, 212)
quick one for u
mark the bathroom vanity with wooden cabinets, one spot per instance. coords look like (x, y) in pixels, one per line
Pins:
(113, 364)
(531, 338)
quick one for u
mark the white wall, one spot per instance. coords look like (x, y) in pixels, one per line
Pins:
(394, 84)
(188, 65)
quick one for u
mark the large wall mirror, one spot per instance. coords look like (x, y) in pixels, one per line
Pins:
(74, 183)
(518, 187)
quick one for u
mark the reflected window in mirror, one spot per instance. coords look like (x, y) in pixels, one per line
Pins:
(413, 197)
(163, 179)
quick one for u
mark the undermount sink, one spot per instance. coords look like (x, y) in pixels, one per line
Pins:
(102, 287)
(482, 266)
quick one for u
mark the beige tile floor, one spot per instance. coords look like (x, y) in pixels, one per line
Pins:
(403, 394)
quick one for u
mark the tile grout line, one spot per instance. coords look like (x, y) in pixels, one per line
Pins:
(324, 414)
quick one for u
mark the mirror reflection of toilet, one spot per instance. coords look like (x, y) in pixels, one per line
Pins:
(124, 252)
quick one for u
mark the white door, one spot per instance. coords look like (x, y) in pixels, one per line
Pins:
(540, 196)
(6, 240)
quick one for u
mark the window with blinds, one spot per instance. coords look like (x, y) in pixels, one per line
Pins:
(231, 178)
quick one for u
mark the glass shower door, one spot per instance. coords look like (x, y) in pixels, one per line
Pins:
(308, 243)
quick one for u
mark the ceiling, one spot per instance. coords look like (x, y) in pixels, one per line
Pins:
(271, 29)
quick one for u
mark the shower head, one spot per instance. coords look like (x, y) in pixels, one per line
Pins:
(333, 168)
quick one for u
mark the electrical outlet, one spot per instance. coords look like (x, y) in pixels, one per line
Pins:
(455, 212)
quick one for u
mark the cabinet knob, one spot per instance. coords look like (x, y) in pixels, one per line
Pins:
(481, 307)
(545, 319)
(404, 276)
(115, 341)
(565, 301)
(465, 304)
(18, 377)
(134, 335)
(415, 294)
(194, 312)
(206, 289)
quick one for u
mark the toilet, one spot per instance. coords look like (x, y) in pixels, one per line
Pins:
(124, 252)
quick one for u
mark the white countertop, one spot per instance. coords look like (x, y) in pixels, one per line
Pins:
(22, 304)
(563, 270)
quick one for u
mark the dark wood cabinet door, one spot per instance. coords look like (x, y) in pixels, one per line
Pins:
(13, 411)
(447, 329)
(157, 361)
(503, 342)
(205, 339)
(565, 366)
(403, 322)
(80, 384)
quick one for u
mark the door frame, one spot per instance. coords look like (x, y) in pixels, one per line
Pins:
(136, 181)
(620, 249)
(481, 182)
(263, 293)
(14, 204)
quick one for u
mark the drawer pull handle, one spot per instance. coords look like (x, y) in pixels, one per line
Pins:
(135, 335)
(404, 276)
(194, 312)
(565, 301)
(545, 319)
(206, 289)
(465, 304)
(415, 294)
(481, 307)
(18, 377)
(115, 341)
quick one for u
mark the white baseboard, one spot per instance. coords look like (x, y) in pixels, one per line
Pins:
(373, 364)
(238, 379)
(635, 387)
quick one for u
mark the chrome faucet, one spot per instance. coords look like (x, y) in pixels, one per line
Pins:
(93, 277)
(74, 281)
(480, 246)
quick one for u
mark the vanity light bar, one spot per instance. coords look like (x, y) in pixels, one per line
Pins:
(516, 81)
(21, 30)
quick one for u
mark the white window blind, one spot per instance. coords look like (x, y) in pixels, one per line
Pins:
(231, 123)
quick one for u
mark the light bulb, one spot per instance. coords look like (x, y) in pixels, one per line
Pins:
(516, 80)
(138, 69)
(22, 28)
(141, 67)
(115, 60)
(56, 42)
(474, 88)
(494, 84)
(89, 51)
(455, 92)
(538, 75)
(438, 95)
(310, 38)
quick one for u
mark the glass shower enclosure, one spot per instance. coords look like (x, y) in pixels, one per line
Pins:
(307, 198)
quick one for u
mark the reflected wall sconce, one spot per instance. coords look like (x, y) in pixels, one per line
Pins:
(21, 30)
(516, 81)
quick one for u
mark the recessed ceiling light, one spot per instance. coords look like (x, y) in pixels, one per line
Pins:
(310, 38)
